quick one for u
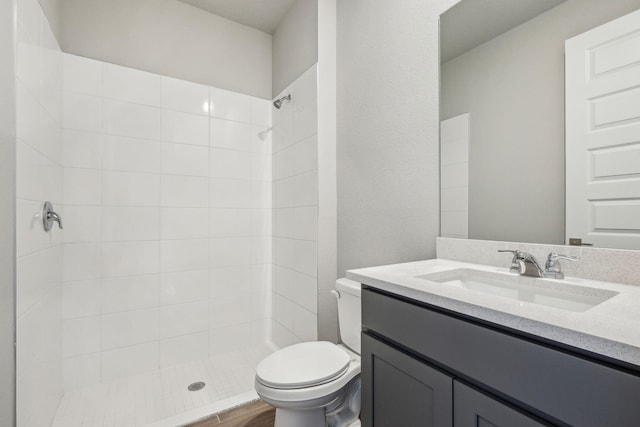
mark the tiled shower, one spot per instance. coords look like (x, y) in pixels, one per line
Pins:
(189, 248)
(167, 208)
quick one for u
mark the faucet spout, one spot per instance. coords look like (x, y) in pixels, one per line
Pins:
(529, 265)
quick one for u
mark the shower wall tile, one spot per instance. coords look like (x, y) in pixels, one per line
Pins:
(231, 135)
(230, 106)
(179, 159)
(82, 75)
(122, 294)
(306, 223)
(184, 223)
(230, 193)
(81, 186)
(39, 273)
(261, 112)
(124, 154)
(81, 299)
(130, 85)
(184, 348)
(295, 214)
(183, 319)
(129, 328)
(184, 191)
(233, 281)
(37, 177)
(305, 323)
(184, 286)
(130, 189)
(81, 261)
(230, 164)
(81, 149)
(225, 252)
(133, 120)
(81, 370)
(129, 258)
(80, 336)
(228, 222)
(168, 216)
(82, 112)
(130, 223)
(305, 189)
(230, 311)
(87, 224)
(184, 255)
(261, 164)
(130, 360)
(185, 128)
(187, 97)
(306, 155)
(284, 223)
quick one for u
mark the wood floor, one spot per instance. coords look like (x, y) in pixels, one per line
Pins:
(254, 414)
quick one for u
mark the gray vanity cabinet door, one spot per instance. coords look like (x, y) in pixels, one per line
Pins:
(475, 409)
(398, 390)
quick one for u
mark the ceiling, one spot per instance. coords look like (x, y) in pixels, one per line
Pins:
(263, 15)
(472, 22)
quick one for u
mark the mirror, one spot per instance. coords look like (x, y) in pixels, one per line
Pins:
(502, 111)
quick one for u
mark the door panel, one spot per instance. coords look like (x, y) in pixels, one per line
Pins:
(603, 134)
(398, 390)
(475, 409)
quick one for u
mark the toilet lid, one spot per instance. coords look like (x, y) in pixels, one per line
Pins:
(303, 365)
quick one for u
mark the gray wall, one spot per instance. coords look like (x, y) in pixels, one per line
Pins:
(387, 153)
(170, 38)
(7, 212)
(51, 9)
(327, 207)
(295, 44)
(513, 86)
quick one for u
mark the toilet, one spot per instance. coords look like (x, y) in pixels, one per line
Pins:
(317, 384)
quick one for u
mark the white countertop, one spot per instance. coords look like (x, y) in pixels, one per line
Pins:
(610, 329)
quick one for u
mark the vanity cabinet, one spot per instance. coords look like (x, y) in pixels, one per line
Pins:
(425, 366)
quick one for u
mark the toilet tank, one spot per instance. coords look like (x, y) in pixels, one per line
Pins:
(349, 313)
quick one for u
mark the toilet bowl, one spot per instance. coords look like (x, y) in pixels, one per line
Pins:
(317, 384)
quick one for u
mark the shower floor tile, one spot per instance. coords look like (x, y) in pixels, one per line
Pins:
(154, 396)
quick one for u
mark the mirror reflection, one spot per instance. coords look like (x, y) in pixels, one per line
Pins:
(503, 117)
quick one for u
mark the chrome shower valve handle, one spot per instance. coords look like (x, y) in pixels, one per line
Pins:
(49, 216)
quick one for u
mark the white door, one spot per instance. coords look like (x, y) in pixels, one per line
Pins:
(603, 134)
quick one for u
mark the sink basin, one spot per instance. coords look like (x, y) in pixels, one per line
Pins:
(522, 288)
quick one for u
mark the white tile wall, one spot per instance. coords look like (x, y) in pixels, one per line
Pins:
(295, 215)
(40, 306)
(168, 221)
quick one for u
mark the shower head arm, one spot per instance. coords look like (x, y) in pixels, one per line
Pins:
(278, 102)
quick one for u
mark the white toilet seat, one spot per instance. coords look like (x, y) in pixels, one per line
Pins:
(303, 365)
(319, 391)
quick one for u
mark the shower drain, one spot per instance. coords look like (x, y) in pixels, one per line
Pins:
(196, 386)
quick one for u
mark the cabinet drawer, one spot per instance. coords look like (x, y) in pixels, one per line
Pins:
(544, 381)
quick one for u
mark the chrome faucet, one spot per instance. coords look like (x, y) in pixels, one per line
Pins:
(524, 264)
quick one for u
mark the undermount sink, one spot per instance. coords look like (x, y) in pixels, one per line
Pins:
(522, 288)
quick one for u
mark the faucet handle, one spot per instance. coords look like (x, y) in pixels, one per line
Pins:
(515, 264)
(552, 268)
